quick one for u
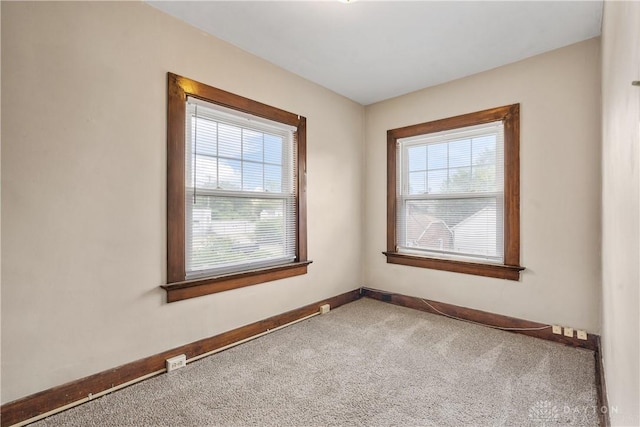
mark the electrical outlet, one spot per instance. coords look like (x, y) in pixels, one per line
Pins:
(582, 335)
(568, 332)
(556, 329)
(176, 362)
(324, 309)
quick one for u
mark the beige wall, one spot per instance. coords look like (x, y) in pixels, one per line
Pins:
(560, 188)
(621, 209)
(83, 188)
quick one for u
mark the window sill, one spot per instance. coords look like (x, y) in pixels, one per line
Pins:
(199, 287)
(509, 272)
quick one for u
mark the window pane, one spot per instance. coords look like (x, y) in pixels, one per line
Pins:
(251, 176)
(251, 145)
(484, 150)
(273, 178)
(484, 178)
(229, 231)
(417, 158)
(206, 169)
(204, 133)
(459, 180)
(273, 149)
(417, 183)
(438, 156)
(229, 141)
(229, 174)
(437, 181)
(461, 226)
(460, 153)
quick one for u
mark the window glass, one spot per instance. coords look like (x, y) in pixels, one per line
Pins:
(241, 212)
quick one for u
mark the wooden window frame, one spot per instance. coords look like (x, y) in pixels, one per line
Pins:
(177, 287)
(510, 268)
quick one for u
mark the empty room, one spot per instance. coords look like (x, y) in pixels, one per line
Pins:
(315, 213)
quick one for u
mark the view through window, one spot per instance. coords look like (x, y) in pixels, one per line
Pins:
(450, 200)
(241, 205)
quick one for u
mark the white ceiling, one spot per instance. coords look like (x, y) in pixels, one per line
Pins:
(369, 51)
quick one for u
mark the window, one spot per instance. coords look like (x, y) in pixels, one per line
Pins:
(236, 210)
(453, 194)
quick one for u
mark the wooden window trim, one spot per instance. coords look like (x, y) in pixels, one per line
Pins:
(177, 287)
(209, 285)
(510, 116)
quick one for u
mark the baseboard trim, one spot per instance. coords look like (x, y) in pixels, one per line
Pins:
(601, 388)
(66, 395)
(483, 317)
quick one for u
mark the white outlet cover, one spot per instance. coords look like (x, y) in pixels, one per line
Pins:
(568, 332)
(176, 362)
(582, 335)
(556, 329)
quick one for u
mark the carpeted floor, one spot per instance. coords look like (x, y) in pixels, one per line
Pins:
(367, 363)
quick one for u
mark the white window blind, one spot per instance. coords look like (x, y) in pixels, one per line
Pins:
(240, 191)
(450, 194)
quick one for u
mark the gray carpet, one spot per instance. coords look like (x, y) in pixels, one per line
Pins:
(367, 363)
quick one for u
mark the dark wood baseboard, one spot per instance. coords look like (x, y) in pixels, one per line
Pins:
(57, 397)
(601, 388)
(486, 318)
